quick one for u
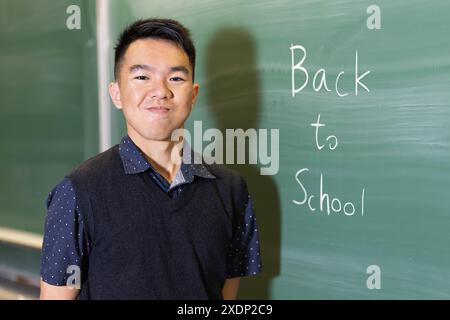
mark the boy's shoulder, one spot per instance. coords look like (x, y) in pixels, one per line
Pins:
(97, 164)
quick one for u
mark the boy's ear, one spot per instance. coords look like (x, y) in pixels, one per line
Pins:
(114, 92)
(195, 88)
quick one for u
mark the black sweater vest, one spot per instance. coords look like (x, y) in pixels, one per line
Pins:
(146, 245)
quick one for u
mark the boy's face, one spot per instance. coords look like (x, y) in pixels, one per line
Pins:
(154, 88)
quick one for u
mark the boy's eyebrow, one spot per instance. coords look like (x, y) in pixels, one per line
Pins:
(181, 69)
(138, 67)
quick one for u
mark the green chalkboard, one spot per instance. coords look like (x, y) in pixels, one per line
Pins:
(392, 158)
(48, 112)
(49, 103)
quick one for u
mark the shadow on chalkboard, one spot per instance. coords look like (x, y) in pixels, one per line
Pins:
(233, 92)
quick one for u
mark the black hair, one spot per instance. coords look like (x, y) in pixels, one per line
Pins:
(166, 29)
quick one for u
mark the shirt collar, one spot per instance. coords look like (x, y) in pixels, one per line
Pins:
(192, 164)
(134, 161)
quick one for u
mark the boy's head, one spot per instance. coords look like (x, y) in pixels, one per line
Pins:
(154, 73)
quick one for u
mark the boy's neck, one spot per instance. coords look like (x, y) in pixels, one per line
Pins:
(164, 156)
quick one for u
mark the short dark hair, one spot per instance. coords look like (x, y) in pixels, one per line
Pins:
(166, 29)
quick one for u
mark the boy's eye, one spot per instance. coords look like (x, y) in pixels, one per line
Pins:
(177, 79)
(141, 78)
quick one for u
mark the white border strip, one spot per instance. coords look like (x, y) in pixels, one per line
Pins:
(21, 238)
(103, 53)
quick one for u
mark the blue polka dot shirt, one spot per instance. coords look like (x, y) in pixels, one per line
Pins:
(64, 241)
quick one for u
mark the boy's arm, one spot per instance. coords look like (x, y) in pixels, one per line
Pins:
(50, 292)
(230, 288)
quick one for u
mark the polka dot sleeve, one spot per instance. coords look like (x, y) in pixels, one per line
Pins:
(244, 257)
(63, 236)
